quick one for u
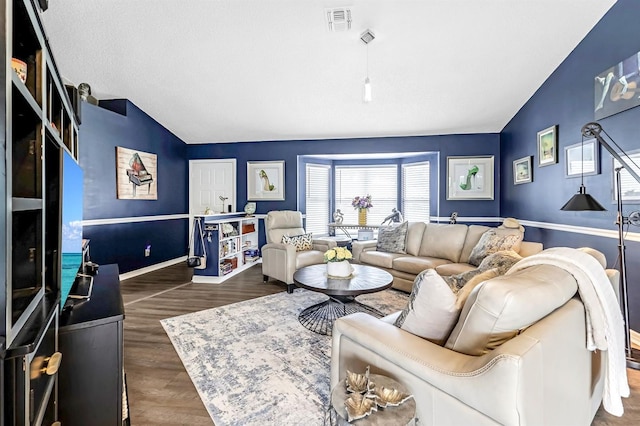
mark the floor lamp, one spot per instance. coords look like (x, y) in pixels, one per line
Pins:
(584, 201)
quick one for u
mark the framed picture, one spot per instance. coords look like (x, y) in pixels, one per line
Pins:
(616, 88)
(522, 172)
(582, 159)
(470, 178)
(548, 146)
(136, 174)
(265, 180)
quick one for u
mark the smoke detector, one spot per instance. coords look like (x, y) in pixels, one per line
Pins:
(338, 19)
(367, 36)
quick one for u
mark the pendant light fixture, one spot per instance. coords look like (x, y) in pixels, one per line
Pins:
(367, 37)
(582, 201)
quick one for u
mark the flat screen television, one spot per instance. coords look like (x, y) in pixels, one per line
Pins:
(71, 246)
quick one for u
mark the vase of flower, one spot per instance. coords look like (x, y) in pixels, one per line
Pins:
(337, 260)
(362, 217)
(363, 204)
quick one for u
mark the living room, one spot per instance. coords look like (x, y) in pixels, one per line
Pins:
(143, 237)
(565, 100)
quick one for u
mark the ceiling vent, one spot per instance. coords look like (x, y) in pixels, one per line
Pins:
(338, 19)
(367, 36)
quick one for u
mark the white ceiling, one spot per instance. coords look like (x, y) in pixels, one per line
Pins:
(261, 70)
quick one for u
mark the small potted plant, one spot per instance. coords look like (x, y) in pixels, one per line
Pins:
(337, 260)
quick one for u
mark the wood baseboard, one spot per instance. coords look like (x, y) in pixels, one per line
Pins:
(155, 267)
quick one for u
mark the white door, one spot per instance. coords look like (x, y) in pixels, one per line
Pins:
(208, 181)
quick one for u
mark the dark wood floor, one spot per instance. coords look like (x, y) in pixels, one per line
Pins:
(160, 391)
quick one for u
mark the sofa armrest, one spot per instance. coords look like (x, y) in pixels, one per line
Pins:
(357, 247)
(323, 244)
(528, 248)
(290, 249)
(279, 261)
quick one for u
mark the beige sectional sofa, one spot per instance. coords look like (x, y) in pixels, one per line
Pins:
(444, 247)
(536, 370)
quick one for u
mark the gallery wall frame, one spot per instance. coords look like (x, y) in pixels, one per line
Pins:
(582, 159)
(548, 146)
(136, 174)
(616, 89)
(265, 180)
(470, 178)
(522, 171)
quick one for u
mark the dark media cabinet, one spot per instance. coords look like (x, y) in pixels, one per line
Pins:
(90, 338)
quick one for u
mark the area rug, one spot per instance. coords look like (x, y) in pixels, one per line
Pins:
(254, 364)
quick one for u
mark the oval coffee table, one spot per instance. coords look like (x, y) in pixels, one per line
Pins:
(342, 294)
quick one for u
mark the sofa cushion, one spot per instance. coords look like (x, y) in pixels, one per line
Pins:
(414, 237)
(300, 242)
(309, 257)
(392, 238)
(454, 268)
(431, 311)
(474, 232)
(444, 241)
(415, 265)
(379, 258)
(493, 241)
(499, 308)
(282, 222)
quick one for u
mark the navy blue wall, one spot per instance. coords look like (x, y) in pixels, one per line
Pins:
(102, 130)
(447, 145)
(567, 99)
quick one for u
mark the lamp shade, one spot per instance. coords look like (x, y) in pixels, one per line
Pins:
(582, 201)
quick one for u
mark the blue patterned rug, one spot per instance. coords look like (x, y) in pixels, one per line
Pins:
(254, 364)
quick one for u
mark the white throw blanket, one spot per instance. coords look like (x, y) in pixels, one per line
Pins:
(605, 326)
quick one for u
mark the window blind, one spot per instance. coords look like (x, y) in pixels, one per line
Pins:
(317, 199)
(415, 192)
(379, 181)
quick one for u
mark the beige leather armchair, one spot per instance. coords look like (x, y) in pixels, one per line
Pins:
(280, 261)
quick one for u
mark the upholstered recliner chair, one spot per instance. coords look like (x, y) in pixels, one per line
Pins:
(280, 260)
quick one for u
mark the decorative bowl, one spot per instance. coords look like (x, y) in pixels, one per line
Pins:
(359, 406)
(386, 397)
(358, 383)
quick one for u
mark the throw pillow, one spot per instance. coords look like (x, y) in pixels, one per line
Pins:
(301, 242)
(491, 242)
(501, 261)
(431, 312)
(391, 239)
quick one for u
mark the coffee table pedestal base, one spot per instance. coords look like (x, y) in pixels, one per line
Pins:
(319, 318)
